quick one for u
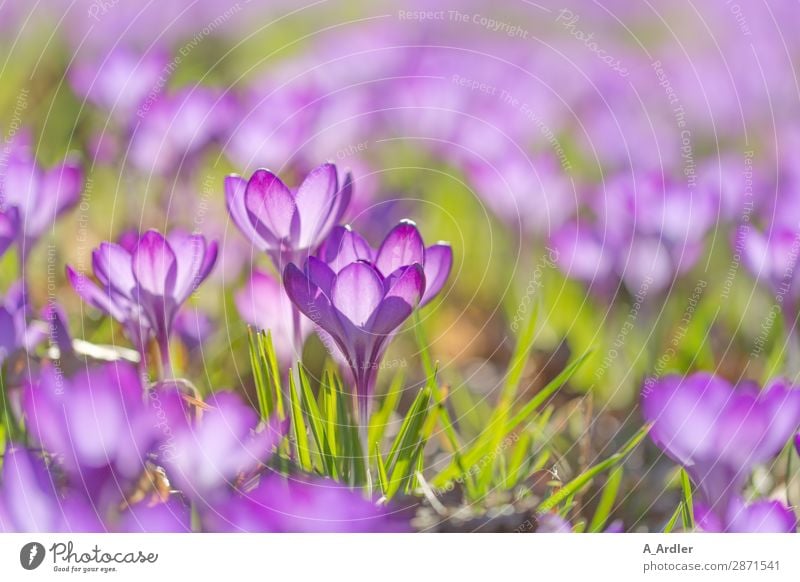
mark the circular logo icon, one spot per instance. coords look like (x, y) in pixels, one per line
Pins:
(31, 555)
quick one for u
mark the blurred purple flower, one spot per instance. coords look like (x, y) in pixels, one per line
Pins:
(32, 500)
(39, 196)
(176, 126)
(263, 304)
(649, 230)
(301, 505)
(121, 80)
(772, 258)
(582, 254)
(227, 442)
(553, 523)
(193, 327)
(717, 433)
(276, 118)
(8, 229)
(16, 333)
(757, 517)
(287, 224)
(145, 288)
(532, 195)
(100, 424)
(172, 516)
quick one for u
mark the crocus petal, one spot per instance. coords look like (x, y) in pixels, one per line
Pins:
(402, 246)
(60, 190)
(191, 262)
(399, 301)
(357, 292)
(706, 519)
(113, 267)
(21, 184)
(8, 231)
(320, 274)
(95, 296)
(311, 301)
(8, 334)
(344, 246)
(154, 265)
(235, 188)
(760, 517)
(341, 202)
(315, 199)
(438, 263)
(270, 206)
(34, 505)
(781, 403)
(684, 413)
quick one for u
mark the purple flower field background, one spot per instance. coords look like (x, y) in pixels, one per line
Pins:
(391, 267)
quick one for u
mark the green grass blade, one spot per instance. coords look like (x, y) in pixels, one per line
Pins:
(607, 498)
(674, 519)
(258, 365)
(315, 423)
(383, 478)
(380, 419)
(483, 446)
(687, 503)
(299, 428)
(587, 476)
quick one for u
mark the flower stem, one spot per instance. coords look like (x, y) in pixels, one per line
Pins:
(165, 371)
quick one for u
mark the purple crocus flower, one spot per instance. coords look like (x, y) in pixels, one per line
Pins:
(206, 457)
(718, 433)
(287, 224)
(402, 247)
(33, 500)
(263, 304)
(145, 288)
(38, 195)
(740, 517)
(301, 505)
(359, 308)
(357, 297)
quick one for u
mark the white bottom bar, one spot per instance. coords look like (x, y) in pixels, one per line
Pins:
(386, 558)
